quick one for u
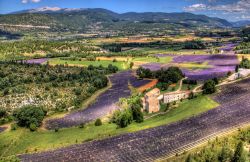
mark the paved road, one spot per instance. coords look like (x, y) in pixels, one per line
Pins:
(151, 144)
(104, 104)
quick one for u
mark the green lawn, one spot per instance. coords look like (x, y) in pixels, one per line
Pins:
(120, 64)
(24, 141)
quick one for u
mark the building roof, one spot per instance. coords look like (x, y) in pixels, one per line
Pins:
(153, 92)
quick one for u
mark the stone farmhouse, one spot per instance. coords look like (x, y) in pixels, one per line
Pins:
(175, 96)
(151, 100)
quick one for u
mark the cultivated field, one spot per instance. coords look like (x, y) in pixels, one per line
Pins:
(151, 144)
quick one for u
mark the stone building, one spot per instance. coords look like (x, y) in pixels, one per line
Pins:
(175, 96)
(151, 102)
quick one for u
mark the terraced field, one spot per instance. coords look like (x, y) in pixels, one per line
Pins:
(104, 104)
(152, 144)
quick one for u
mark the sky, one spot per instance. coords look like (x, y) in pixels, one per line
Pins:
(232, 10)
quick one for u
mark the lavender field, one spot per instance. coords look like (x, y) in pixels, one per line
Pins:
(105, 103)
(2, 129)
(151, 144)
(219, 65)
(37, 61)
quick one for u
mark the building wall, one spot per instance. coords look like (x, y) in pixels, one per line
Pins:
(150, 102)
(175, 97)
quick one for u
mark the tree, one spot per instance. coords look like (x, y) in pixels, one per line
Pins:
(216, 80)
(137, 114)
(237, 68)
(28, 116)
(239, 153)
(245, 63)
(172, 74)
(98, 122)
(143, 73)
(209, 87)
(131, 65)
(126, 119)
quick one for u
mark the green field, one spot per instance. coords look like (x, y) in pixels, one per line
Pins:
(23, 141)
(162, 60)
(122, 65)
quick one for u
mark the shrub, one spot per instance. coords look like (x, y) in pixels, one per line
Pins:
(137, 114)
(209, 87)
(13, 126)
(98, 122)
(3, 113)
(33, 127)
(125, 119)
(28, 115)
(81, 125)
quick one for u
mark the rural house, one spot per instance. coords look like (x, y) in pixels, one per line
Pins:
(151, 102)
(175, 96)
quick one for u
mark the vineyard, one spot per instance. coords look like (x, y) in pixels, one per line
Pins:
(151, 144)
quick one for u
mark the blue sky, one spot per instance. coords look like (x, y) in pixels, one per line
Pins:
(232, 10)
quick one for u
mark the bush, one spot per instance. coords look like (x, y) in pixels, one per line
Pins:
(137, 114)
(33, 127)
(3, 113)
(98, 122)
(91, 58)
(209, 87)
(13, 126)
(81, 125)
(28, 115)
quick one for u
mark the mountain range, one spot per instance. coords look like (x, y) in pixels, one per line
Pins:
(84, 20)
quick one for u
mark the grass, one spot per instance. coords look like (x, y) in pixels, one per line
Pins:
(193, 65)
(23, 141)
(163, 60)
(120, 64)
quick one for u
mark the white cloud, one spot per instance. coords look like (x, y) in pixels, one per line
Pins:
(35, 1)
(32, 1)
(196, 7)
(241, 6)
(24, 1)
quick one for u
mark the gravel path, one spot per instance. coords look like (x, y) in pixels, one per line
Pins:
(151, 144)
(104, 104)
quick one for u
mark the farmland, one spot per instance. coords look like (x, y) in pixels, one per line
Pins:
(26, 140)
(164, 140)
(95, 85)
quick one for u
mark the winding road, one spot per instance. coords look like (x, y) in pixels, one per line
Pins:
(163, 141)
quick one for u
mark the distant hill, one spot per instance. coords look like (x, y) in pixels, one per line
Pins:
(242, 23)
(85, 20)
